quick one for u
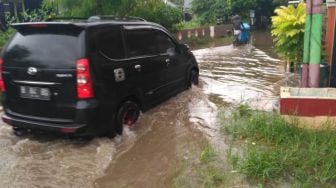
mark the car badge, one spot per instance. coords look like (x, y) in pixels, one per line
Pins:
(32, 71)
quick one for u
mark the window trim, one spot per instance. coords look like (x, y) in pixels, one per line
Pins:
(172, 40)
(128, 58)
(144, 27)
(135, 28)
(99, 51)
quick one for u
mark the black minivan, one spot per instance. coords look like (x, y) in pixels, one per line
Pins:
(90, 77)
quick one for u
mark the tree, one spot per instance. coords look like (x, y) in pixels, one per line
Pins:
(16, 13)
(177, 2)
(243, 7)
(223, 9)
(288, 31)
(205, 10)
(208, 11)
(151, 10)
(211, 10)
(277, 3)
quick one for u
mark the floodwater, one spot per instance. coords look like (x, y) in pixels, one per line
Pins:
(166, 135)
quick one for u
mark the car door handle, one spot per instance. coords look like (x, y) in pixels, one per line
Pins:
(137, 67)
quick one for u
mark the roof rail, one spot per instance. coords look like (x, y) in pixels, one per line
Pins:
(112, 17)
(66, 18)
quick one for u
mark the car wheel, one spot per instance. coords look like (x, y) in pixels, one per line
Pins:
(127, 115)
(193, 78)
(111, 129)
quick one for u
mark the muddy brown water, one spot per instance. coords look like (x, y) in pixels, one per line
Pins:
(166, 135)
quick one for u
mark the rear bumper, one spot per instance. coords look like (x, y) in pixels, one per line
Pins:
(43, 126)
(85, 122)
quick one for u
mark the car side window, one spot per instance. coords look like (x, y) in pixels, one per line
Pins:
(165, 43)
(109, 43)
(140, 42)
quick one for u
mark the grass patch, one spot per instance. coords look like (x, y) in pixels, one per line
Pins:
(205, 172)
(276, 149)
(207, 154)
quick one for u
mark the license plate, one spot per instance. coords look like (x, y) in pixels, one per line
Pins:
(38, 93)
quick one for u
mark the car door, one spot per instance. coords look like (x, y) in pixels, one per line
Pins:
(106, 51)
(149, 68)
(176, 63)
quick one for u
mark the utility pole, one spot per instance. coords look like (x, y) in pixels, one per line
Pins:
(312, 44)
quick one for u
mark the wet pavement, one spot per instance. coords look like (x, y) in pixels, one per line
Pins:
(165, 136)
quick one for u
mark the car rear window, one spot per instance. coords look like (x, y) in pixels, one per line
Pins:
(50, 48)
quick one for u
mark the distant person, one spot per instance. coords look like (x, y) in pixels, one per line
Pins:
(236, 22)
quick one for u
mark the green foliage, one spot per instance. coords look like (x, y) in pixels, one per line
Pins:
(160, 13)
(37, 15)
(194, 23)
(4, 36)
(242, 7)
(262, 164)
(27, 16)
(177, 2)
(206, 10)
(207, 154)
(211, 10)
(280, 2)
(244, 110)
(288, 31)
(203, 171)
(275, 148)
(151, 10)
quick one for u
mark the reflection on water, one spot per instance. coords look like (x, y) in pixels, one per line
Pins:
(166, 135)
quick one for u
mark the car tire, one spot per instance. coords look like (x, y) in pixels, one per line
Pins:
(111, 130)
(193, 78)
(127, 115)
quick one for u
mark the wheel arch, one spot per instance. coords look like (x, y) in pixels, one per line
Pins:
(132, 98)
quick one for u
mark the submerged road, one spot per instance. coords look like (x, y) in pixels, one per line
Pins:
(165, 136)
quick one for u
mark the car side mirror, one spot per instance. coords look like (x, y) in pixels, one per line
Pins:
(183, 48)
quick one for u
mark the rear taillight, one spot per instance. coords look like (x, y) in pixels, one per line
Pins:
(39, 25)
(84, 80)
(2, 83)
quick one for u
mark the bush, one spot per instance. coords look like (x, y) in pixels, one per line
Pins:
(165, 15)
(195, 23)
(4, 36)
(288, 31)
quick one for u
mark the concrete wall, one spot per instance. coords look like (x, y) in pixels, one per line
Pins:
(211, 31)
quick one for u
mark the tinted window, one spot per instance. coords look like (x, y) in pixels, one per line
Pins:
(52, 48)
(165, 43)
(109, 42)
(140, 42)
